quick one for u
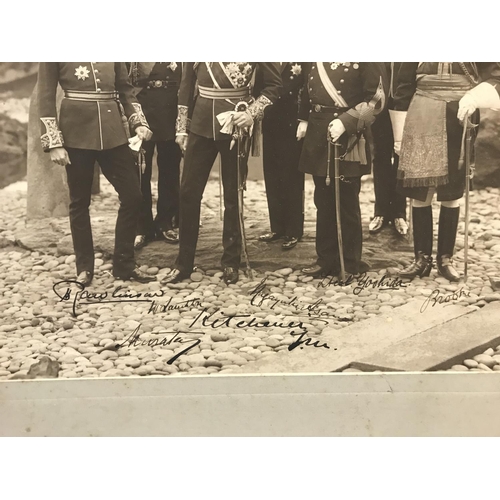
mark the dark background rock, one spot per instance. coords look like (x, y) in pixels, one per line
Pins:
(13, 146)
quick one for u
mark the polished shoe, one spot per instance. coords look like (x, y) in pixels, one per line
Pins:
(377, 224)
(85, 278)
(316, 271)
(268, 237)
(170, 236)
(289, 243)
(230, 275)
(137, 275)
(174, 276)
(401, 226)
(421, 267)
(446, 269)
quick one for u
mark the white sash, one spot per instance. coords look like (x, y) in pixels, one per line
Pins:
(330, 88)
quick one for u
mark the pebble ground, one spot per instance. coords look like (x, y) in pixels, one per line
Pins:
(33, 321)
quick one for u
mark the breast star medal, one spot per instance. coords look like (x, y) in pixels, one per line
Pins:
(173, 66)
(82, 72)
(296, 69)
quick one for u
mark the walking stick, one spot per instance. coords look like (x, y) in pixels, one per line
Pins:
(337, 181)
(241, 154)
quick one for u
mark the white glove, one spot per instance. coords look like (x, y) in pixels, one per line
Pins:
(467, 105)
(397, 147)
(335, 130)
(301, 130)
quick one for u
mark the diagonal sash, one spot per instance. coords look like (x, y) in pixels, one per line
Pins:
(330, 88)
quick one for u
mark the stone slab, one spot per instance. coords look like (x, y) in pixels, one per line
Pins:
(359, 340)
(442, 346)
(48, 194)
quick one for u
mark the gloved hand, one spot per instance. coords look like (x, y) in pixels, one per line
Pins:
(301, 129)
(143, 133)
(397, 147)
(181, 140)
(467, 105)
(335, 130)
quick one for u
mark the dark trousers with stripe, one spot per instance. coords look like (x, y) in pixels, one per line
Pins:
(118, 166)
(200, 155)
(167, 208)
(327, 247)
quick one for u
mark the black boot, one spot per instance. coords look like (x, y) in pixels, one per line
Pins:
(422, 241)
(447, 235)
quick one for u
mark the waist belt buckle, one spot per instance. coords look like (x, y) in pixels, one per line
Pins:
(317, 108)
(157, 83)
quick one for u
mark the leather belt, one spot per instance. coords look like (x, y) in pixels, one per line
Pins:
(108, 95)
(161, 84)
(211, 93)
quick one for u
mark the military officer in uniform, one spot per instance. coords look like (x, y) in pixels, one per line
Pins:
(433, 98)
(390, 205)
(281, 152)
(157, 86)
(90, 128)
(213, 120)
(339, 103)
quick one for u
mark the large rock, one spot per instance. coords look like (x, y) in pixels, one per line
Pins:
(47, 187)
(12, 150)
(488, 151)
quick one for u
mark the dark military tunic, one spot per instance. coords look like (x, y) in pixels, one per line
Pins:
(90, 117)
(363, 87)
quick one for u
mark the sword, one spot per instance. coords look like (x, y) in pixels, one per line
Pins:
(239, 136)
(464, 160)
(337, 203)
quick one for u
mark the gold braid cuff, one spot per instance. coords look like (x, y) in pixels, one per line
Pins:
(256, 109)
(53, 137)
(137, 119)
(182, 122)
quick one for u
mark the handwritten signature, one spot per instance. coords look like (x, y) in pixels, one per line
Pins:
(119, 294)
(436, 297)
(363, 282)
(133, 340)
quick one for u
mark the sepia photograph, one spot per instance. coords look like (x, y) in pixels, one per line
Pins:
(165, 220)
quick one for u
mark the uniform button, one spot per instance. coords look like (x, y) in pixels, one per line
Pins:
(355, 65)
(98, 90)
(341, 81)
(109, 111)
(291, 78)
(97, 80)
(290, 93)
(96, 71)
(339, 91)
(347, 64)
(311, 78)
(335, 115)
(346, 69)
(313, 67)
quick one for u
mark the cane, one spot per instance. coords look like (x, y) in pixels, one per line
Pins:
(239, 136)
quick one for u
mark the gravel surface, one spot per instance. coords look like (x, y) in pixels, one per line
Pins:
(34, 321)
